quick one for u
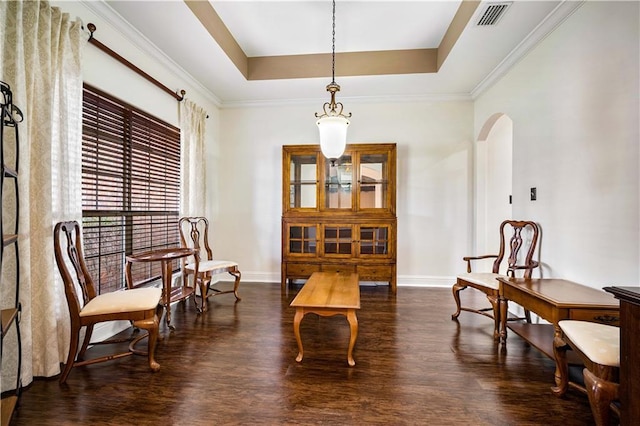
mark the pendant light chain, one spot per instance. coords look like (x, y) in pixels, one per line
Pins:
(333, 45)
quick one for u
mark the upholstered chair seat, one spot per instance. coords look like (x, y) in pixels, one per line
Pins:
(485, 279)
(598, 345)
(598, 342)
(212, 266)
(139, 299)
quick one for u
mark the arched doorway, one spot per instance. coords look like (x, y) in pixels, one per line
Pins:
(494, 157)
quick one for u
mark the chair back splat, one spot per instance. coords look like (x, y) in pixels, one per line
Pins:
(521, 238)
(199, 232)
(194, 233)
(75, 257)
(516, 243)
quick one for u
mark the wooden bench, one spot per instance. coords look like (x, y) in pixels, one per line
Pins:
(327, 294)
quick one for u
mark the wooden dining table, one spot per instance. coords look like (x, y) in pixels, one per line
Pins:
(170, 293)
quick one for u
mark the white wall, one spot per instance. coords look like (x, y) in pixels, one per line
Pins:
(574, 105)
(434, 182)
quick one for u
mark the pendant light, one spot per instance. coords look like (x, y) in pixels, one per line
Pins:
(332, 123)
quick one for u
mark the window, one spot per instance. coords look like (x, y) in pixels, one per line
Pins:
(130, 188)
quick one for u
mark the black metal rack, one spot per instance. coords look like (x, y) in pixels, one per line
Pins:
(9, 119)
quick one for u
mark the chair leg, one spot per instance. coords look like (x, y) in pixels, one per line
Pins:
(186, 282)
(207, 287)
(151, 325)
(204, 284)
(185, 278)
(236, 284)
(85, 342)
(456, 289)
(560, 348)
(71, 357)
(601, 393)
(495, 305)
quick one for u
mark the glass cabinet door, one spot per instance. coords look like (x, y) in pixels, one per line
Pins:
(374, 240)
(303, 182)
(338, 240)
(339, 183)
(302, 239)
(373, 181)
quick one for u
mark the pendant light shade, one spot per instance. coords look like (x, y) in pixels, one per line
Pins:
(332, 123)
(333, 135)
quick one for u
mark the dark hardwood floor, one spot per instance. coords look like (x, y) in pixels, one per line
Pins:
(236, 365)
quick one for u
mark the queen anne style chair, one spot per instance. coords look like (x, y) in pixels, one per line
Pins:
(86, 308)
(194, 233)
(598, 345)
(521, 248)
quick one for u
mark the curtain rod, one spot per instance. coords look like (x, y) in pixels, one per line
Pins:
(91, 27)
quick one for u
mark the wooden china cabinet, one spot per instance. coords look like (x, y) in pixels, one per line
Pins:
(340, 215)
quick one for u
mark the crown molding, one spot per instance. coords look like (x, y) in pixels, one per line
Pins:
(446, 97)
(111, 17)
(556, 17)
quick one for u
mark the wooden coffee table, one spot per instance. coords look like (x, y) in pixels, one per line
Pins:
(327, 294)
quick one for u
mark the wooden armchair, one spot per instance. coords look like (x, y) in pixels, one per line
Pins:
(598, 345)
(521, 249)
(194, 233)
(140, 306)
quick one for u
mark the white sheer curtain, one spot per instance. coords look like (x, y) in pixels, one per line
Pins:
(192, 185)
(41, 61)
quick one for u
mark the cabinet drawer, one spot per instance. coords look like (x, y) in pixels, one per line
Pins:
(302, 270)
(338, 268)
(609, 317)
(375, 272)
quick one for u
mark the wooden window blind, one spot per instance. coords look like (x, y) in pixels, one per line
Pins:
(130, 188)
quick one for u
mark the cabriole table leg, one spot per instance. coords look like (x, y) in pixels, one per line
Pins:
(296, 330)
(353, 325)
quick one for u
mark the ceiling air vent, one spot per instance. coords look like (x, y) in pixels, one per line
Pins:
(492, 13)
